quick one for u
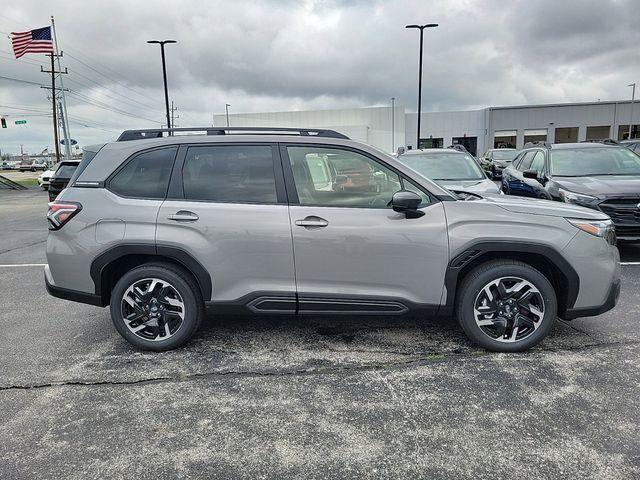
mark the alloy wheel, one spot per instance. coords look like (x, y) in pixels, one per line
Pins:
(152, 309)
(509, 309)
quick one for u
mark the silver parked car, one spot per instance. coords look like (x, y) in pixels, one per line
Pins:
(284, 221)
(450, 168)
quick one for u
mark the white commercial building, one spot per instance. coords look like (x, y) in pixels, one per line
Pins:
(388, 129)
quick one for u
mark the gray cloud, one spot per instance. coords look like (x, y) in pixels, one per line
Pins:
(281, 55)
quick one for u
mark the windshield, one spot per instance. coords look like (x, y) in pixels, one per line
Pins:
(507, 155)
(444, 166)
(585, 162)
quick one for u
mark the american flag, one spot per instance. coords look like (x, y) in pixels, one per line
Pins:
(33, 41)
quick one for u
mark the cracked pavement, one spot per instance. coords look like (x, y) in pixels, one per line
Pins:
(279, 397)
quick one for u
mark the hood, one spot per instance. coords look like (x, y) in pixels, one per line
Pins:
(480, 187)
(601, 185)
(536, 206)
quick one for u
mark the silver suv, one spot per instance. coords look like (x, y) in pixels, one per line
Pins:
(284, 221)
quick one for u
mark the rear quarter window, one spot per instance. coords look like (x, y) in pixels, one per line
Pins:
(145, 175)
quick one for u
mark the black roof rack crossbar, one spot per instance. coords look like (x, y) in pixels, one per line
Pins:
(159, 132)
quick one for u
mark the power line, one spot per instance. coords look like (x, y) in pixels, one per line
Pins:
(104, 106)
(21, 81)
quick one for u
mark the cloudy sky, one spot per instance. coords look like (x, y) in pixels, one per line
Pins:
(293, 55)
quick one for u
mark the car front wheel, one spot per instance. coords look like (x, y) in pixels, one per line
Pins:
(156, 307)
(506, 306)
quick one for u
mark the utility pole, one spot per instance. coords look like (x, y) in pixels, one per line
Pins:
(633, 97)
(65, 126)
(67, 141)
(53, 73)
(173, 115)
(226, 109)
(162, 43)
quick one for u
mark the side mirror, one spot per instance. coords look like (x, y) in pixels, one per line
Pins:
(530, 174)
(407, 202)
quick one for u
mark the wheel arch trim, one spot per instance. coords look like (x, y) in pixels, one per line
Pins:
(100, 264)
(473, 254)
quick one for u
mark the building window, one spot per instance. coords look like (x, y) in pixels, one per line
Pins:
(566, 135)
(623, 132)
(470, 143)
(535, 135)
(598, 133)
(431, 142)
(505, 138)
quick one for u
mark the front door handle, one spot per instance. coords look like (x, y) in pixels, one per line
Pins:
(312, 221)
(183, 216)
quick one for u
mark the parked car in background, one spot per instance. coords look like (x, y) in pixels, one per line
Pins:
(600, 176)
(45, 177)
(60, 178)
(32, 165)
(497, 159)
(453, 169)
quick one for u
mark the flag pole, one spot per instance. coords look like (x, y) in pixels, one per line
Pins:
(66, 131)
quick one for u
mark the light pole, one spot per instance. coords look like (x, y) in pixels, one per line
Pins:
(421, 28)
(633, 97)
(393, 126)
(164, 76)
(226, 109)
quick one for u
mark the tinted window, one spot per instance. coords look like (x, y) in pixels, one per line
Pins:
(582, 162)
(87, 156)
(354, 180)
(426, 200)
(444, 166)
(65, 170)
(538, 162)
(230, 173)
(146, 175)
(525, 163)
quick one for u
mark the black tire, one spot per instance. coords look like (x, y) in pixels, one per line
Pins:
(477, 279)
(185, 286)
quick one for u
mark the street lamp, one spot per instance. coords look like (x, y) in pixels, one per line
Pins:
(226, 109)
(633, 97)
(421, 28)
(164, 75)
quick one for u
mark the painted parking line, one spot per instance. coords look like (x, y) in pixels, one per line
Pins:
(629, 263)
(15, 265)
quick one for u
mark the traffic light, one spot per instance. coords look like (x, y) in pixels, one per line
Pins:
(3, 122)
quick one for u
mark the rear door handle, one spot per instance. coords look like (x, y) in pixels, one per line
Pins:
(312, 221)
(183, 216)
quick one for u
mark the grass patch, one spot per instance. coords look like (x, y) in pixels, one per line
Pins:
(28, 182)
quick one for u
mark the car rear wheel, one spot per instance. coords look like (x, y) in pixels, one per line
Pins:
(506, 306)
(156, 307)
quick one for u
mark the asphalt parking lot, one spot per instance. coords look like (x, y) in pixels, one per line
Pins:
(312, 398)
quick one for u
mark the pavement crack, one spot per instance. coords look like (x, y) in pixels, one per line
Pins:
(24, 245)
(308, 371)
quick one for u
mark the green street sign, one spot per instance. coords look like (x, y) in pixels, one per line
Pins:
(20, 122)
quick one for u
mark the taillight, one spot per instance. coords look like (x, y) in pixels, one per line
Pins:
(61, 212)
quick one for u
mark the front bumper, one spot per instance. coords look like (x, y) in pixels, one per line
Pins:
(610, 302)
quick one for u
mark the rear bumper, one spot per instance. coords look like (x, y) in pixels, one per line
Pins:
(610, 302)
(71, 295)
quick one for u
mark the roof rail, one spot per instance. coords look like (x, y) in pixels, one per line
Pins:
(159, 132)
(606, 141)
(538, 143)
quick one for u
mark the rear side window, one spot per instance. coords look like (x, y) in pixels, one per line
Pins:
(146, 175)
(230, 173)
(66, 170)
(87, 156)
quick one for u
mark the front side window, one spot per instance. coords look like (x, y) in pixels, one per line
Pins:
(444, 166)
(583, 162)
(146, 175)
(525, 163)
(341, 178)
(229, 173)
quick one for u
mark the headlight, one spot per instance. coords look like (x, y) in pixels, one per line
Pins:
(572, 197)
(599, 228)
